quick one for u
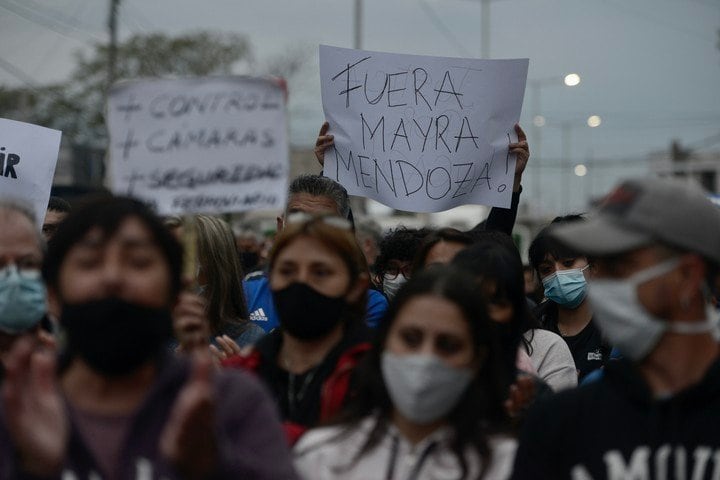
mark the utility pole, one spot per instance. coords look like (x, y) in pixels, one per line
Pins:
(359, 204)
(485, 28)
(112, 47)
(566, 131)
(357, 44)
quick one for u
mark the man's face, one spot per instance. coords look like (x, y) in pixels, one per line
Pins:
(658, 295)
(18, 241)
(52, 220)
(18, 246)
(128, 265)
(312, 204)
(306, 203)
(247, 244)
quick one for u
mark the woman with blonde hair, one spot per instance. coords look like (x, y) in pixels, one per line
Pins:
(222, 299)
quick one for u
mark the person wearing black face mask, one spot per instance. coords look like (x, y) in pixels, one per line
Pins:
(119, 406)
(248, 245)
(319, 282)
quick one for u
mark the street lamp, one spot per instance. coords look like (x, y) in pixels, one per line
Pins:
(539, 121)
(580, 170)
(572, 79)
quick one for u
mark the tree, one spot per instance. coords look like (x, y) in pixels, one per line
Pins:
(76, 106)
(155, 55)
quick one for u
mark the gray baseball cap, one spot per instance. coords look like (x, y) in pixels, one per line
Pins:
(645, 211)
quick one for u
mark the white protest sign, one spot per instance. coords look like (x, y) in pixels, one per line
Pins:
(28, 155)
(420, 133)
(209, 145)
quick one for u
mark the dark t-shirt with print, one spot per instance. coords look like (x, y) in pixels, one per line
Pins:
(588, 348)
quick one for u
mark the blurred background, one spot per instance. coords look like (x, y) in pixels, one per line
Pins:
(616, 88)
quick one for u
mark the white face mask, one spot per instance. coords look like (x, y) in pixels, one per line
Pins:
(627, 324)
(392, 285)
(423, 388)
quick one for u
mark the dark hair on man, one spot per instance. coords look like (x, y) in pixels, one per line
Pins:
(57, 204)
(543, 244)
(320, 186)
(448, 234)
(108, 213)
(495, 236)
(400, 244)
(479, 412)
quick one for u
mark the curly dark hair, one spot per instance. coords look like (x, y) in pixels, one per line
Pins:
(399, 244)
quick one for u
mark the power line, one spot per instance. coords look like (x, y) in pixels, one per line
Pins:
(133, 25)
(443, 29)
(38, 20)
(139, 17)
(30, 82)
(707, 3)
(635, 116)
(609, 124)
(706, 142)
(51, 52)
(18, 73)
(129, 21)
(644, 16)
(620, 162)
(58, 17)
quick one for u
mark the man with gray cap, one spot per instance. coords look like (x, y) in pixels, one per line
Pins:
(656, 413)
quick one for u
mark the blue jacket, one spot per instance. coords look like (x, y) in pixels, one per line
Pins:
(262, 309)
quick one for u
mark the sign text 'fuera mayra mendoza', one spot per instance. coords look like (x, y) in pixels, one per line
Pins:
(421, 133)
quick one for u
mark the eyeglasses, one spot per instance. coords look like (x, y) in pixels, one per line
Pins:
(395, 269)
(26, 269)
(302, 217)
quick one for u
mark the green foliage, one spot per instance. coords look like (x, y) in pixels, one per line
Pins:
(76, 106)
(156, 55)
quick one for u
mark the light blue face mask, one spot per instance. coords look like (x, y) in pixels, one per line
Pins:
(567, 288)
(22, 299)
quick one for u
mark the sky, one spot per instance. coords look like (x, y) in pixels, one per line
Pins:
(650, 69)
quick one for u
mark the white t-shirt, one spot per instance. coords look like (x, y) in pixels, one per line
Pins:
(328, 454)
(552, 359)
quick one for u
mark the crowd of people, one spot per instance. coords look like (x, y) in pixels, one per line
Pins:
(139, 347)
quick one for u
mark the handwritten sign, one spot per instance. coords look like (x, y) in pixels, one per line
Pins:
(209, 145)
(420, 133)
(28, 155)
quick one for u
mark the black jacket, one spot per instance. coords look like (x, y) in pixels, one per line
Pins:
(615, 429)
(589, 350)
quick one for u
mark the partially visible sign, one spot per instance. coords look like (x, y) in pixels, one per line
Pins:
(28, 155)
(420, 133)
(201, 145)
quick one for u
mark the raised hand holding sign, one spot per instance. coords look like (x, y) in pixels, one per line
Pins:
(422, 133)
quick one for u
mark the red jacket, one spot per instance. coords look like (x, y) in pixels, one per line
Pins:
(334, 389)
